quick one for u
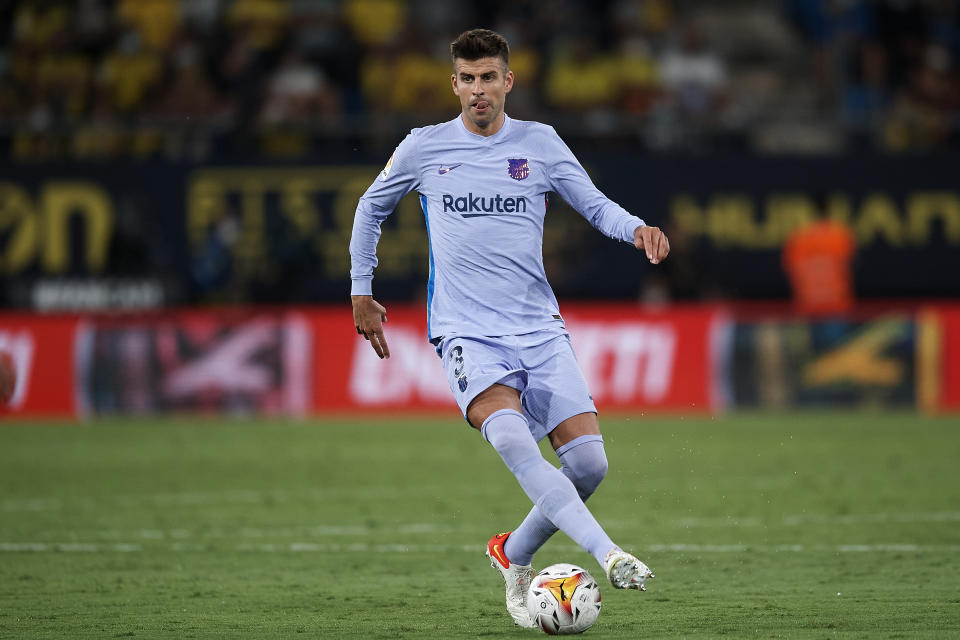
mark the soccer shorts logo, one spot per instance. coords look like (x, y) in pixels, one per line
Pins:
(456, 354)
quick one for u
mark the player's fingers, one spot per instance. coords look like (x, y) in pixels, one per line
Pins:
(648, 242)
(657, 247)
(664, 247)
(379, 343)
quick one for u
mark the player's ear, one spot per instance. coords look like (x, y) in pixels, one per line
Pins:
(453, 82)
(509, 81)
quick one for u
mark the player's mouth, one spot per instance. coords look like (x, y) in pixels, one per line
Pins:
(482, 106)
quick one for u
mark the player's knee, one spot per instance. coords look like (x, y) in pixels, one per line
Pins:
(586, 466)
(590, 477)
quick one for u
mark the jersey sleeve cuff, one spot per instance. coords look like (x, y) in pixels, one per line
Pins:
(361, 286)
(632, 228)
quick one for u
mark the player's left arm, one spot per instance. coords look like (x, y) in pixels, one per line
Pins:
(570, 180)
(653, 241)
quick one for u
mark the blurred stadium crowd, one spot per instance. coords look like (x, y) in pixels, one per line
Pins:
(189, 78)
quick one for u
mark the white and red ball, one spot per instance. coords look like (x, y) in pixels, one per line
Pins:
(563, 599)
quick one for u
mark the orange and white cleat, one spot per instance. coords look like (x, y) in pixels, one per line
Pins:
(516, 577)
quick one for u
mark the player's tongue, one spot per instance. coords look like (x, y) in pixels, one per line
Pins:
(481, 105)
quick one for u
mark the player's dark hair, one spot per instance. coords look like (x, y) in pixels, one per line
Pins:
(480, 43)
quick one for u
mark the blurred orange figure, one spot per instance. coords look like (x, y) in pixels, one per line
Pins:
(818, 259)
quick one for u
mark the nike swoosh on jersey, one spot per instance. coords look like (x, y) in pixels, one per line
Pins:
(442, 170)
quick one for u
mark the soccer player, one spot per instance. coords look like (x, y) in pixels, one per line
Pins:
(483, 180)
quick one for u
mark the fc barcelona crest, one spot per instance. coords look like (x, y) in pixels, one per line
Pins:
(519, 168)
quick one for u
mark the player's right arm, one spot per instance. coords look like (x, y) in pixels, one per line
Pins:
(399, 177)
(369, 316)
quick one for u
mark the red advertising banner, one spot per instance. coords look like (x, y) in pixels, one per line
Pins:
(43, 349)
(231, 361)
(632, 359)
(949, 387)
(303, 361)
(638, 359)
(348, 375)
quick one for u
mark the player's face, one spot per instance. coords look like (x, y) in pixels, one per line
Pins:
(482, 86)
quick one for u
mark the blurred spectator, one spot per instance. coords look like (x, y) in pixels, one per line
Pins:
(62, 77)
(213, 268)
(818, 260)
(639, 85)
(202, 15)
(694, 78)
(190, 93)
(583, 77)
(375, 23)
(835, 29)
(128, 73)
(926, 111)
(297, 92)
(262, 20)
(676, 75)
(155, 21)
(40, 23)
(242, 70)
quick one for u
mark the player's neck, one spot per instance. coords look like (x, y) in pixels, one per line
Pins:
(491, 129)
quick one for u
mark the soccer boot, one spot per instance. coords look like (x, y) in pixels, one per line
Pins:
(624, 570)
(516, 577)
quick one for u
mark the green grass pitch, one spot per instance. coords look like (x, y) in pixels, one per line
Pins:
(805, 525)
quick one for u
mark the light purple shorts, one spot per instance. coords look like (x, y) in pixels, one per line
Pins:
(541, 365)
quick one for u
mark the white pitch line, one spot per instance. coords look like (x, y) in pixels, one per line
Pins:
(314, 531)
(326, 494)
(805, 519)
(873, 518)
(68, 547)
(188, 536)
(236, 496)
(311, 547)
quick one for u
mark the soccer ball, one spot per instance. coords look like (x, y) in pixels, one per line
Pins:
(563, 599)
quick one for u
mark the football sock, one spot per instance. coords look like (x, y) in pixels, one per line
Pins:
(585, 463)
(550, 490)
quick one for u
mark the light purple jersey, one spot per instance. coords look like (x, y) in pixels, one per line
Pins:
(484, 200)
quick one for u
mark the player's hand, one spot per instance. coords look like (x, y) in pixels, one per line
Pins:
(653, 241)
(368, 317)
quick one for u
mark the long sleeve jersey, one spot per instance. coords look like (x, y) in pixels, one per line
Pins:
(484, 200)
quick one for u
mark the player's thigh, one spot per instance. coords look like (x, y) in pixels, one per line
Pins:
(582, 424)
(490, 400)
(557, 397)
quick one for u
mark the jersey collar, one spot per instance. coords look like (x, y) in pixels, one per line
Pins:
(495, 138)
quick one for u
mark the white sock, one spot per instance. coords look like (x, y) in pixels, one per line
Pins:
(550, 490)
(585, 463)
